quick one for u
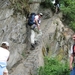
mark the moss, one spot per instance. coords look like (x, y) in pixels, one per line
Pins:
(23, 54)
(20, 6)
(43, 51)
(47, 4)
(60, 54)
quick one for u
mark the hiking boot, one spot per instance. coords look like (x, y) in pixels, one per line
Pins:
(32, 47)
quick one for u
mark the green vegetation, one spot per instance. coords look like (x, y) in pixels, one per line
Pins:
(47, 4)
(54, 67)
(68, 9)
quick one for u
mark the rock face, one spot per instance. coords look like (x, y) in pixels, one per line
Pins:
(55, 40)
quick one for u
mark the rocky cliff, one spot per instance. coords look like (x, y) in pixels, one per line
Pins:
(55, 40)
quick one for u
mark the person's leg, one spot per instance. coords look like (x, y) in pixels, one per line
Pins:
(32, 36)
(58, 7)
(5, 71)
(32, 39)
(38, 35)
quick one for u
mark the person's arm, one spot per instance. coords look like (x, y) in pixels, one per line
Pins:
(36, 21)
(8, 56)
(71, 58)
(71, 61)
(8, 59)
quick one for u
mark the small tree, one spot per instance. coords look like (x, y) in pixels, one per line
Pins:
(53, 67)
(68, 9)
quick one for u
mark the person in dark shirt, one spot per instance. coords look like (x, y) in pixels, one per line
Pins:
(57, 5)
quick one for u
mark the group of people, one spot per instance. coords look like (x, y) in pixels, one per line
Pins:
(4, 48)
(35, 28)
(36, 25)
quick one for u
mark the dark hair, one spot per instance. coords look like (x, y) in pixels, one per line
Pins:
(4, 46)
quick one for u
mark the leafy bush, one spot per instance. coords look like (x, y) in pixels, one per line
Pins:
(47, 4)
(54, 67)
(68, 9)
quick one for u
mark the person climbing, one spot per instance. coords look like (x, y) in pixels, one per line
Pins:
(72, 58)
(4, 57)
(35, 28)
(57, 6)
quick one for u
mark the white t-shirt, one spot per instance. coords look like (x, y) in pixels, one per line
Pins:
(38, 19)
(71, 49)
(4, 54)
(71, 52)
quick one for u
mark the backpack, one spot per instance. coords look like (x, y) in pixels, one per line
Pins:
(31, 19)
(74, 49)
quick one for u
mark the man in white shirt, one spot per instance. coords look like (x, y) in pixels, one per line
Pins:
(72, 59)
(35, 28)
(4, 57)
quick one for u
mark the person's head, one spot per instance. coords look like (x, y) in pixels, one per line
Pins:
(40, 14)
(5, 45)
(73, 37)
